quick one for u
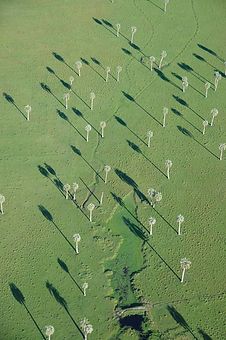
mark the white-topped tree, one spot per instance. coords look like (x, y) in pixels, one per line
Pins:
(163, 55)
(108, 70)
(168, 164)
(165, 112)
(102, 126)
(222, 148)
(75, 187)
(150, 134)
(107, 169)
(180, 219)
(151, 222)
(207, 87)
(91, 207)
(76, 239)
(133, 31)
(85, 286)
(49, 330)
(185, 265)
(66, 188)
(184, 83)
(66, 97)
(205, 123)
(118, 70)
(118, 26)
(2, 200)
(27, 109)
(152, 60)
(86, 327)
(78, 65)
(155, 196)
(92, 97)
(71, 80)
(88, 128)
(214, 113)
(218, 77)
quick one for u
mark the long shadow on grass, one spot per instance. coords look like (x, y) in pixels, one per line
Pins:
(200, 58)
(180, 320)
(129, 53)
(62, 60)
(47, 89)
(64, 83)
(49, 217)
(179, 114)
(165, 78)
(134, 228)
(65, 118)
(187, 133)
(56, 181)
(123, 123)
(132, 99)
(78, 152)
(86, 62)
(62, 302)
(137, 149)
(184, 103)
(91, 192)
(12, 101)
(157, 6)
(180, 78)
(197, 75)
(80, 114)
(19, 297)
(207, 49)
(65, 268)
(204, 334)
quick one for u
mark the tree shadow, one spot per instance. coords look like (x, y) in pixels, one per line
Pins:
(80, 114)
(206, 49)
(134, 228)
(179, 114)
(163, 77)
(184, 103)
(57, 182)
(157, 6)
(79, 97)
(64, 83)
(180, 320)
(204, 334)
(197, 75)
(167, 222)
(123, 123)
(48, 216)
(65, 117)
(59, 299)
(10, 100)
(180, 78)
(200, 58)
(78, 152)
(19, 297)
(125, 178)
(189, 134)
(130, 98)
(137, 149)
(65, 268)
(101, 23)
(47, 89)
(90, 191)
(61, 59)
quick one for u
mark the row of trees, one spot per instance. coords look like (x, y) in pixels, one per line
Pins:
(85, 325)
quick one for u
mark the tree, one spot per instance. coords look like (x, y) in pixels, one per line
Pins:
(27, 108)
(88, 128)
(102, 126)
(66, 188)
(75, 187)
(155, 196)
(205, 124)
(92, 97)
(86, 327)
(49, 330)
(71, 79)
(222, 148)
(133, 31)
(152, 60)
(149, 135)
(207, 87)
(185, 264)
(168, 164)
(66, 98)
(151, 222)
(118, 70)
(118, 26)
(184, 83)
(90, 207)
(217, 79)
(165, 113)
(84, 287)
(165, 4)
(107, 169)
(78, 65)
(108, 69)
(214, 113)
(101, 198)
(180, 219)
(162, 56)
(77, 239)
(2, 200)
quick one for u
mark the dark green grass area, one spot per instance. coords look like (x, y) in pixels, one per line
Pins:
(41, 275)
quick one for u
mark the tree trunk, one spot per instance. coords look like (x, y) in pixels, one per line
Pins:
(76, 247)
(91, 104)
(87, 136)
(182, 277)
(212, 121)
(66, 195)
(216, 84)
(79, 72)
(74, 196)
(151, 66)
(101, 198)
(132, 38)
(179, 224)
(90, 215)
(102, 133)
(117, 33)
(118, 76)
(164, 121)
(2, 208)
(206, 93)
(85, 336)
(149, 142)
(66, 104)
(168, 175)
(221, 155)
(84, 292)
(49, 337)
(165, 7)
(204, 129)
(151, 229)
(28, 116)
(160, 63)
(106, 177)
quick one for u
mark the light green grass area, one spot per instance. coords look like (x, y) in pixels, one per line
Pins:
(123, 265)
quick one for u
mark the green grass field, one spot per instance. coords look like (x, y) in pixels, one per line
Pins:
(41, 275)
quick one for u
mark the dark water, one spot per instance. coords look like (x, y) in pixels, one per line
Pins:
(132, 321)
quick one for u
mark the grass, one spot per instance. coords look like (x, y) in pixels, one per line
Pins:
(41, 274)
